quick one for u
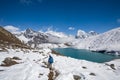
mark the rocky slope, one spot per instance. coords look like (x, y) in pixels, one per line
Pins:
(8, 39)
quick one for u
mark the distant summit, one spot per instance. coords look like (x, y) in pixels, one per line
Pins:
(29, 33)
(82, 34)
(92, 33)
(32, 37)
(29, 30)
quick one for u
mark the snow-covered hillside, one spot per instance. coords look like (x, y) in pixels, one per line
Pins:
(32, 65)
(109, 41)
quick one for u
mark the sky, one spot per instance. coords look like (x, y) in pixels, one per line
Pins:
(61, 15)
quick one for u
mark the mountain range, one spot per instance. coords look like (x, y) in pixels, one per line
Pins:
(37, 37)
(107, 42)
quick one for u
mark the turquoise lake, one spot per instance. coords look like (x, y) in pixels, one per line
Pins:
(86, 55)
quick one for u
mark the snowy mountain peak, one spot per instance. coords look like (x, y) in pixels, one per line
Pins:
(29, 30)
(92, 33)
(29, 33)
(82, 34)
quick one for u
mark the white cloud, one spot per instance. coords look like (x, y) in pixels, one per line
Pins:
(118, 20)
(50, 28)
(27, 2)
(12, 28)
(71, 28)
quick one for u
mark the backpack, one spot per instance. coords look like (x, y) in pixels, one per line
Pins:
(50, 60)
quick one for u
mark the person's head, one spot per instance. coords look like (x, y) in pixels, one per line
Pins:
(49, 55)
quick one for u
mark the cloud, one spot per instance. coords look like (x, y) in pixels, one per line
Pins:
(71, 28)
(46, 28)
(50, 28)
(29, 2)
(12, 28)
(118, 20)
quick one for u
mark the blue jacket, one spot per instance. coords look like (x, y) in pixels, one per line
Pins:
(50, 60)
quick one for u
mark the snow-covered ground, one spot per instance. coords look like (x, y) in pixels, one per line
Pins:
(49, 45)
(33, 66)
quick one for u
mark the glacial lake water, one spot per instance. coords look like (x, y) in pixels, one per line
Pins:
(86, 55)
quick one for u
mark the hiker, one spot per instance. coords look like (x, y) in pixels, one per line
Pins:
(50, 61)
